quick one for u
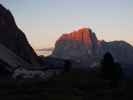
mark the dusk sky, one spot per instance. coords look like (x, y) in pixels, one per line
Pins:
(43, 21)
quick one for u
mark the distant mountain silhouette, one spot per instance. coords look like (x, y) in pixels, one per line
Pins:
(14, 39)
(83, 46)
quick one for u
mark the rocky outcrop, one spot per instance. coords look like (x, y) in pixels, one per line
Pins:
(84, 35)
(80, 45)
(83, 46)
(120, 50)
(14, 39)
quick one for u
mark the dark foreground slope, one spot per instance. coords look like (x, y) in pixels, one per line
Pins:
(73, 85)
(14, 39)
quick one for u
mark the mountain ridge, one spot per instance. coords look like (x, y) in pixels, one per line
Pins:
(94, 49)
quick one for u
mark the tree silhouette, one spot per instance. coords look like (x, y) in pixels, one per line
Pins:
(110, 70)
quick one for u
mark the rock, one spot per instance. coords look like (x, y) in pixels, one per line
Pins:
(120, 50)
(79, 45)
(84, 47)
(22, 73)
(14, 39)
(84, 35)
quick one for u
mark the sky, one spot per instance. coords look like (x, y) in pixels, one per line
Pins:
(44, 21)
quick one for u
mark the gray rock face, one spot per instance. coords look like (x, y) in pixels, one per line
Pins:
(120, 50)
(88, 53)
(78, 51)
(81, 46)
(14, 39)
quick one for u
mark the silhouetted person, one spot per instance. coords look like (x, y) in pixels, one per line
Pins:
(110, 70)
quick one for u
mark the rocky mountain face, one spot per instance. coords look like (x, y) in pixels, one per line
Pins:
(120, 50)
(83, 46)
(80, 45)
(83, 35)
(14, 39)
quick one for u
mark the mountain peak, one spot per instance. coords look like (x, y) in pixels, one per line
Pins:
(6, 19)
(84, 35)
